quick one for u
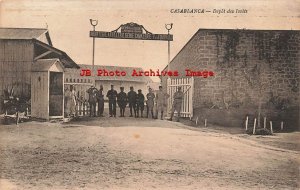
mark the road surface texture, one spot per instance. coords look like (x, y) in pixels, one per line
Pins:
(127, 153)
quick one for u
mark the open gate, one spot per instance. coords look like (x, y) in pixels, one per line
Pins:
(187, 85)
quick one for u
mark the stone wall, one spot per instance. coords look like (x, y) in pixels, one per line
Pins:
(250, 66)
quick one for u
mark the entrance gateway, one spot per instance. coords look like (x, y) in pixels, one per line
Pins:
(131, 31)
(187, 87)
(134, 31)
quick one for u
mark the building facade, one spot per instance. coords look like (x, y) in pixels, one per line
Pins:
(83, 83)
(252, 68)
(21, 49)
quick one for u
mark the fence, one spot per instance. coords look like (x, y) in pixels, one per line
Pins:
(187, 85)
(83, 108)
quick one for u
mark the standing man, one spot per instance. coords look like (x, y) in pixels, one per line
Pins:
(92, 100)
(178, 97)
(150, 102)
(73, 101)
(140, 99)
(132, 101)
(161, 102)
(67, 102)
(122, 101)
(112, 101)
(100, 98)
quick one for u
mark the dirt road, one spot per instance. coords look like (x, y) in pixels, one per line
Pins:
(128, 153)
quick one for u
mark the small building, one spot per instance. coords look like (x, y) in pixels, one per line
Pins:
(21, 52)
(47, 92)
(251, 68)
(82, 83)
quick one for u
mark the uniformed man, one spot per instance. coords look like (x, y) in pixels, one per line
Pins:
(92, 100)
(140, 99)
(122, 101)
(178, 97)
(132, 101)
(150, 102)
(112, 101)
(100, 98)
(161, 102)
(73, 102)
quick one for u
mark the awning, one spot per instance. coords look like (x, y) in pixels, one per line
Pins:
(45, 65)
(45, 51)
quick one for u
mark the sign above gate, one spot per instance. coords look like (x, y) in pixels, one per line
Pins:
(131, 28)
(131, 31)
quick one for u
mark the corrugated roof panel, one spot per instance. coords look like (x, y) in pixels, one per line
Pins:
(21, 33)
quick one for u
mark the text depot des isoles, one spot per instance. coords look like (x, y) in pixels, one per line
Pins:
(139, 73)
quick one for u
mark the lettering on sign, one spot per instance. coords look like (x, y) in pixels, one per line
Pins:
(132, 28)
(131, 31)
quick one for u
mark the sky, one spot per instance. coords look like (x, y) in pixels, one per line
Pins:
(69, 26)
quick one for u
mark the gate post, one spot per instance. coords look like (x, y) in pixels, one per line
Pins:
(169, 101)
(192, 97)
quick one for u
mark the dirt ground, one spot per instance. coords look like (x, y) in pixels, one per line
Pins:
(126, 153)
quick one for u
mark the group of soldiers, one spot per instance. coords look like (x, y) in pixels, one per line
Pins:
(135, 101)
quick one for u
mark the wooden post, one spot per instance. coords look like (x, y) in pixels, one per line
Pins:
(271, 127)
(281, 125)
(254, 126)
(80, 108)
(265, 122)
(83, 107)
(246, 123)
(88, 109)
(96, 108)
(205, 123)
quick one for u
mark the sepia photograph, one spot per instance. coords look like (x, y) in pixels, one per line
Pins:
(143, 95)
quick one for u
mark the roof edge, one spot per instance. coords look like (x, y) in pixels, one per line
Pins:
(24, 28)
(62, 52)
(247, 29)
(111, 66)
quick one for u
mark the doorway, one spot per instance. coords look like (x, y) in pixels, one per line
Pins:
(56, 97)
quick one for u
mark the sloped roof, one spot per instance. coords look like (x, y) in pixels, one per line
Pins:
(64, 58)
(128, 71)
(38, 35)
(44, 64)
(24, 34)
(21, 33)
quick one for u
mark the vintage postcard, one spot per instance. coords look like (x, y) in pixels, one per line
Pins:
(136, 94)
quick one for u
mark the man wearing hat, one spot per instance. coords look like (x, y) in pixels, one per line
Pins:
(132, 101)
(92, 100)
(112, 101)
(100, 98)
(178, 97)
(140, 98)
(73, 101)
(122, 101)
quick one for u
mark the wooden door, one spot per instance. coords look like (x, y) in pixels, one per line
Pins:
(56, 94)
